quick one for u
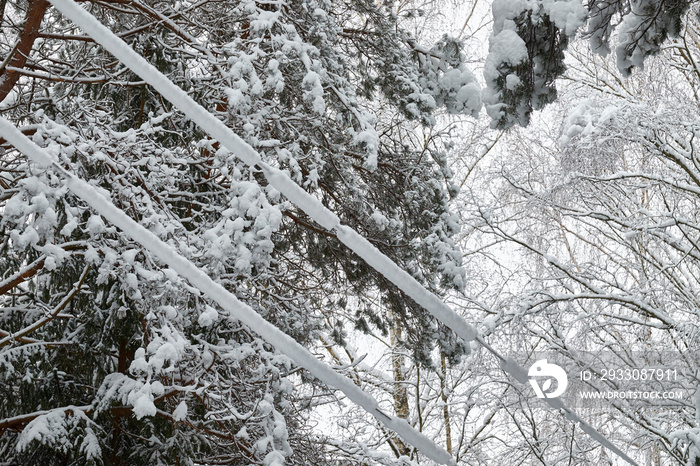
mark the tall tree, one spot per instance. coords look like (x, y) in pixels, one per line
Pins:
(106, 356)
(601, 208)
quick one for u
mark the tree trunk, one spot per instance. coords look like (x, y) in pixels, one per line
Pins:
(20, 53)
(445, 407)
(400, 393)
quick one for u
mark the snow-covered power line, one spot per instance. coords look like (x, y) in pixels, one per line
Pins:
(315, 210)
(227, 300)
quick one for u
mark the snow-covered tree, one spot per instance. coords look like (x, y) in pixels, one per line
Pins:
(526, 49)
(598, 200)
(108, 357)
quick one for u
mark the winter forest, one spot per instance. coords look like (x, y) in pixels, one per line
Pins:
(349, 232)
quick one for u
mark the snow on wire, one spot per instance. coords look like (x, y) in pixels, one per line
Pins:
(228, 301)
(280, 181)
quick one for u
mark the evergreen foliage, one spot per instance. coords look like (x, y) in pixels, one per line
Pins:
(106, 357)
(526, 52)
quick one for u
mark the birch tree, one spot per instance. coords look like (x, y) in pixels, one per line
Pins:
(601, 208)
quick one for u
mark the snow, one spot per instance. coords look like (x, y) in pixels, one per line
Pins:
(405, 282)
(505, 10)
(142, 403)
(369, 140)
(461, 93)
(507, 47)
(50, 264)
(90, 445)
(95, 225)
(165, 87)
(274, 458)
(52, 427)
(628, 33)
(380, 220)
(298, 196)
(469, 98)
(567, 15)
(142, 400)
(314, 91)
(512, 81)
(265, 20)
(208, 317)
(507, 50)
(43, 427)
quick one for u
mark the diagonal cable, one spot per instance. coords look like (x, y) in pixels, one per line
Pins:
(313, 207)
(228, 301)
